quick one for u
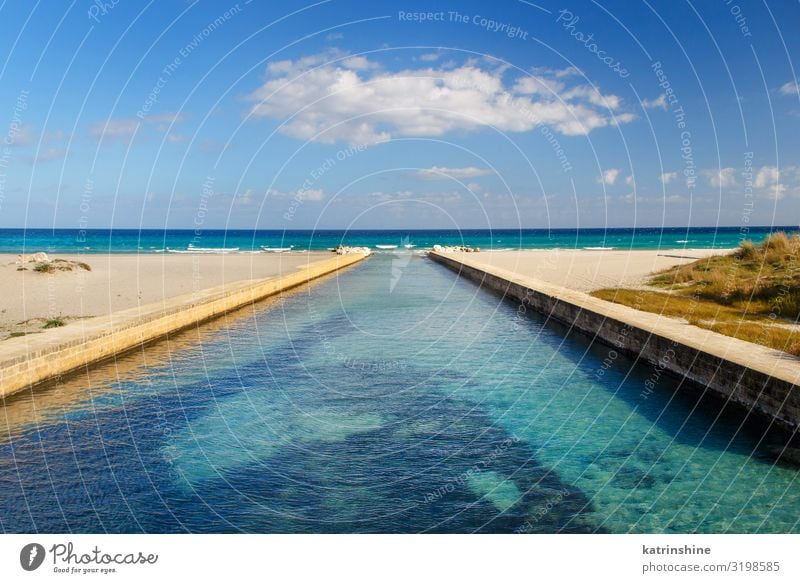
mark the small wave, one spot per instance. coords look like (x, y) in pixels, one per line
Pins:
(386, 246)
(686, 240)
(205, 250)
(599, 248)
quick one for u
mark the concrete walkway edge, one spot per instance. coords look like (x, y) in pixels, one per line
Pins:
(763, 380)
(33, 359)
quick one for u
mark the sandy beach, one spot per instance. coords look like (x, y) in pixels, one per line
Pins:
(117, 282)
(587, 270)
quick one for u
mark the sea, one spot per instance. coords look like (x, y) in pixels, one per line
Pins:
(258, 241)
(391, 397)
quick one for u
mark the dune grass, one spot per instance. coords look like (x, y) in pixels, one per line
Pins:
(752, 294)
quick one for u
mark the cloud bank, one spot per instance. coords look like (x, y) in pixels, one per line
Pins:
(328, 98)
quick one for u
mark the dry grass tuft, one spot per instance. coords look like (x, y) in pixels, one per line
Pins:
(752, 294)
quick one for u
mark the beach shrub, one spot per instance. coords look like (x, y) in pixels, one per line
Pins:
(778, 242)
(84, 266)
(54, 323)
(747, 251)
(44, 268)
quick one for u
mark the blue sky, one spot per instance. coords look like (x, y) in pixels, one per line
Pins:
(399, 114)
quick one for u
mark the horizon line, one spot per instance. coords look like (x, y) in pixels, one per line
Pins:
(311, 230)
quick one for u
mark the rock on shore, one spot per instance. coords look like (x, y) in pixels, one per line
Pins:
(343, 250)
(455, 249)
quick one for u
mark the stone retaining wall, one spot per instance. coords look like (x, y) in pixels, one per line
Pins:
(33, 359)
(763, 380)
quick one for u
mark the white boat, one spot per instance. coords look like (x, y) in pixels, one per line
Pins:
(386, 246)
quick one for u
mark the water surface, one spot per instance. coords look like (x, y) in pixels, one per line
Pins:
(392, 397)
(248, 241)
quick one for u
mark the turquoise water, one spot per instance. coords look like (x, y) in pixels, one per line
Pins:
(392, 397)
(176, 241)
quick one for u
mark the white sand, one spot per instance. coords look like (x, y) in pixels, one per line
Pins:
(587, 270)
(117, 282)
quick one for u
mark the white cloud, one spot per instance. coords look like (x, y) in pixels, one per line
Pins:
(245, 198)
(721, 178)
(790, 88)
(124, 129)
(474, 187)
(609, 176)
(112, 130)
(429, 57)
(164, 118)
(308, 194)
(54, 136)
(20, 136)
(668, 177)
(49, 154)
(659, 102)
(768, 180)
(444, 173)
(629, 180)
(351, 99)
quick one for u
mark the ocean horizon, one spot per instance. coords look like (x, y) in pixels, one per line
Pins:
(252, 283)
(19, 240)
